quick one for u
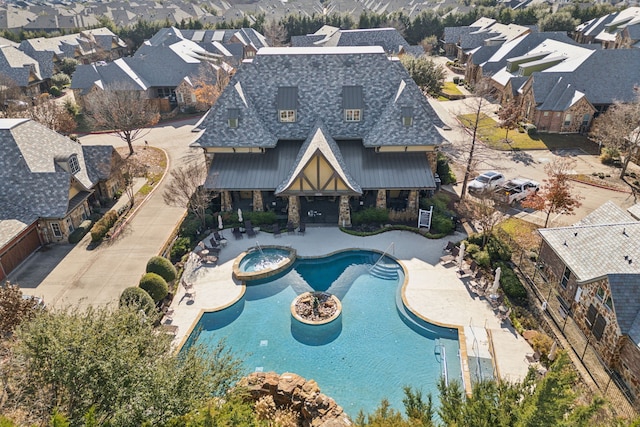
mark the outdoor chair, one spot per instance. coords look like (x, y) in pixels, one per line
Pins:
(303, 228)
(237, 233)
(466, 271)
(276, 230)
(249, 229)
(214, 243)
(532, 357)
(218, 236)
(452, 258)
(449, 247)
(503, 316)
(291, 229)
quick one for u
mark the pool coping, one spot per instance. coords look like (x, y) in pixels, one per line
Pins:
(263, 274)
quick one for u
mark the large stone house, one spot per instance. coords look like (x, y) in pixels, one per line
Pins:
(315, 132)
(49, 184)
(594, 266)
(616, 30)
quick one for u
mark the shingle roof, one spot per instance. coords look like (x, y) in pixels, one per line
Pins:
(625, 293)
(320, 74)
(18, 66)
(389, 38)
(13, 219)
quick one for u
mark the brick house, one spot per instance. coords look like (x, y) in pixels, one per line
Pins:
(49, 186)
(595, 267)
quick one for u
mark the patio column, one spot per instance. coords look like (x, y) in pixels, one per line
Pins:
(412, 201)
(381, 199)
(225, 201)
(257, 201)
(294, 210)
(344, 215)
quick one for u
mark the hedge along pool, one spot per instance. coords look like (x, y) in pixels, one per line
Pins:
(370, 353)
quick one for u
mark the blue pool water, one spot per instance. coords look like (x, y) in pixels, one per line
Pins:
(263, 259)
(371, 352)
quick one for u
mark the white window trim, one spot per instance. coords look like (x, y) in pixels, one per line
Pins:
(352, 115)
(233, 122)
(180, 97)
(287, 116)
(55, 229)
(407, 121)
(74, 164)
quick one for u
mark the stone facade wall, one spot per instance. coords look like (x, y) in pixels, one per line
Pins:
(225, 201)
(294, 210)
(381, 199)
(258, 205)
(412, 201)
(553, 268)
(302, 396)
(344, 214)
(629, 364)
(432, 158)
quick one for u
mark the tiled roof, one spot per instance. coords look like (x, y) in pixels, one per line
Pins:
(602, 243)
(18, 66)
(389, 38)
(13, 219)
(320, 74)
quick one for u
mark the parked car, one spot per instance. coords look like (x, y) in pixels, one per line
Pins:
(515, 190)
(485, 182)
(15, 104)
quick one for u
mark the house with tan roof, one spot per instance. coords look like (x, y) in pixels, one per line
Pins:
(594, 267)
(613, 31)
(49, 186)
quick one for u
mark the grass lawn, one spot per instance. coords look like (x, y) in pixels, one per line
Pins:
(522, 232)
(450, 88)
(493, 135)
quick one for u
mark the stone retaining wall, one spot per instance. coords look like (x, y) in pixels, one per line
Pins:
(302, 396)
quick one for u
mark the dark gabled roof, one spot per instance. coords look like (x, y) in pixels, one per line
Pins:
(98, 159)
(561, 97)
(625, 293)
(320, 74)
(14, 218)
(606, 76)
(452, 34)
(30, 169)
(305, 41)
(18, 66)
(389, 38)
(483, 54)
(473, 40)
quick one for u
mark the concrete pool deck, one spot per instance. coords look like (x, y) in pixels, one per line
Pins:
(433, 291)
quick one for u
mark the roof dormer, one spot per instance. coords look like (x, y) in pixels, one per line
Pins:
(69, 163)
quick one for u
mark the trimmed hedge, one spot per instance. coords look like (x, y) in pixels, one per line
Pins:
(102, 227)
(162, 267)
(260, 218)
(137, 297)
(511, 285)
(79, 232)
(370, 216)
(155, 286)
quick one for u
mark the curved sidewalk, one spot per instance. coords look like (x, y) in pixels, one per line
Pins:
(433, 291)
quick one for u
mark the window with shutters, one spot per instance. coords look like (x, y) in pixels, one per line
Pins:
(591, 315)
(598, 327)
(566, 275)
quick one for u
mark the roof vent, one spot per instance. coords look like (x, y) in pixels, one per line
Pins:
(626, 257)
(565, 243)
(624, 231)
(575, 234)
(630, 261)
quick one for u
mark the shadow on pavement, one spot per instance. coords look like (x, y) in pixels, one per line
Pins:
(39, 265)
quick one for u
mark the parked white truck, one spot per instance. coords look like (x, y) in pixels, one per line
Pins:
(515, 190)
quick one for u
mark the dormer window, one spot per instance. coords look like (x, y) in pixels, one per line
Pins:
(407, 116)
(233, 117)
(352, 103)
(287, 104)
(74, 164)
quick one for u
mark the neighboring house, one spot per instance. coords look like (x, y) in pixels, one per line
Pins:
(595, 267)
(233, 45)
(613, 31)
(389, 38)
(458, 42)
(165, 70)
(313, 133)
(19, 69)
(48, 186)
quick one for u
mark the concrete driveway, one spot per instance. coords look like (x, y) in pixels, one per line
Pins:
(68, 275)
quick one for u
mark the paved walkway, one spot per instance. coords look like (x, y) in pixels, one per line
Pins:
(433, 291)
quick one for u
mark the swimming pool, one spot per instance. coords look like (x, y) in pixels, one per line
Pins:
(373, 351)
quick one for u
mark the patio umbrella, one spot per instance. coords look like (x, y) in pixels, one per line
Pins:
(220, 222)
(553, 351)
(496, 281)
(239, 215)
(461, 255)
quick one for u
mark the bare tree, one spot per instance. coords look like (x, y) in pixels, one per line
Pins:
(122, 110)
(209, 84)
(485, 212)
(130, 168)
(50, 113)
(619, 129)
(556, 194)
(509, 116)
(482, 90)
(275, 33)
(186, 190)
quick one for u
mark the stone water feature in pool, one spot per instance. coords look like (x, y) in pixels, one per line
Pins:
(370, 351)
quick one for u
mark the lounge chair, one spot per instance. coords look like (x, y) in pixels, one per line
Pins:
(466, 271)
(237, 233)
(214, 243)
(276, 230)
(449, 247)
(248, 227)
(452, 258)
(532, 357)
(291, 229)
(218, 236)
(303, 228)
(503, 316)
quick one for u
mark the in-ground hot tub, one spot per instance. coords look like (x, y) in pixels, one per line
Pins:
(263, 261)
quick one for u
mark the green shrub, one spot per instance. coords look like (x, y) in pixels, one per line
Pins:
(446, 174)
(472, 248)
(442, 224)
(103, 225)
(80, 232)
(181, 246)
(482, 259)
(498, 250)
(531, 129)
(511, 285)
(71, 107)
(190, 226)
(137, 297)
(260, 218)
(55, 91)
(609, 156)
(370, 216)
(155, 286)
(162, 267)
(60, 80)
(456, 80)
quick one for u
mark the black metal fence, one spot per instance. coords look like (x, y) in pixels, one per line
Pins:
(606, 380)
